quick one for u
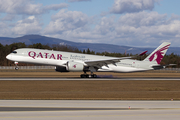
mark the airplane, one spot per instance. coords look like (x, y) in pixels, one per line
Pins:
(77, 62)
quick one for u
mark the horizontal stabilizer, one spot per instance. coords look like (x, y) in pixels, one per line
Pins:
(156, 67)
(141, 54)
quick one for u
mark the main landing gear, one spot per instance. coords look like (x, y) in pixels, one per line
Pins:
(88, 76)
(16, 68)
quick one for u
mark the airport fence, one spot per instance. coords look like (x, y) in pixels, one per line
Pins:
(165, 70)
(28, 67)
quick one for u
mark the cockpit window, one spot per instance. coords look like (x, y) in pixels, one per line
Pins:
(14, 52)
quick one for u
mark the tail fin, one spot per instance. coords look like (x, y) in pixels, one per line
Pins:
(158, 54)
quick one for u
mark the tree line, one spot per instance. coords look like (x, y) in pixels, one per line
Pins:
(6, 49)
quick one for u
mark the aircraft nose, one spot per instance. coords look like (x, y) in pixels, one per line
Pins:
(9, 57)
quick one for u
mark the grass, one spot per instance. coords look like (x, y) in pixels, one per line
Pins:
(90, 89)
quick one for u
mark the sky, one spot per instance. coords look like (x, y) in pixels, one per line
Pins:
(138, 23)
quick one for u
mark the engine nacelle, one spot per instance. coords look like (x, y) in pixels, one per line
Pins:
(70, 67)
(61, 69)
(74, 67)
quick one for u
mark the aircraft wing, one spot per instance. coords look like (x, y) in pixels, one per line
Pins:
(104, 62)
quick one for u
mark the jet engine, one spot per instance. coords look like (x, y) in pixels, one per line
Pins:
(74, 67)
(61, 69)
(70, 67)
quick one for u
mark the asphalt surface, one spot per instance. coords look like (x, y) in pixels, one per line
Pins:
(89, 78)
(88, 110)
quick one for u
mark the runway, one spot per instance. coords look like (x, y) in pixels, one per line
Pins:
(75, 79)
(88, 110)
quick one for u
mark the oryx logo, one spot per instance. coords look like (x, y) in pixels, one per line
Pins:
(74, 66)
(159, 54)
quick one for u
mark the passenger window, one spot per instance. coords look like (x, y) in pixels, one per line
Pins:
(14, 52)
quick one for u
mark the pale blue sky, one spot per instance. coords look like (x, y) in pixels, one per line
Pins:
(168, 7)
(121, 22)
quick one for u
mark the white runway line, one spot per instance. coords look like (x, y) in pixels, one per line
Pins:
(89, 79)
(139, 110)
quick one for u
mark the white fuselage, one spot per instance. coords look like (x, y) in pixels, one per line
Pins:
(59, 58)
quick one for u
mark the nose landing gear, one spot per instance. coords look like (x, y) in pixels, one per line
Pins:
(16, 68)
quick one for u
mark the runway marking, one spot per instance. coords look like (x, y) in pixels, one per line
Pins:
(8, 109)
(92, 116)
(79, 79)
(144, 109)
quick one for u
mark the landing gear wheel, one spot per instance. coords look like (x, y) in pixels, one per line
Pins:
(87, 76)
(16, 68)
(93, 76)
(84, 76)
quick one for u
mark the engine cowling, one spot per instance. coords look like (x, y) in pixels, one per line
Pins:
(70, 67)
(61, 69)
(74, 67)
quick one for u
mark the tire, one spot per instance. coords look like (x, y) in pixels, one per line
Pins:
(82, 76)
(94, 76)
(16, 68)
(87, 76)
